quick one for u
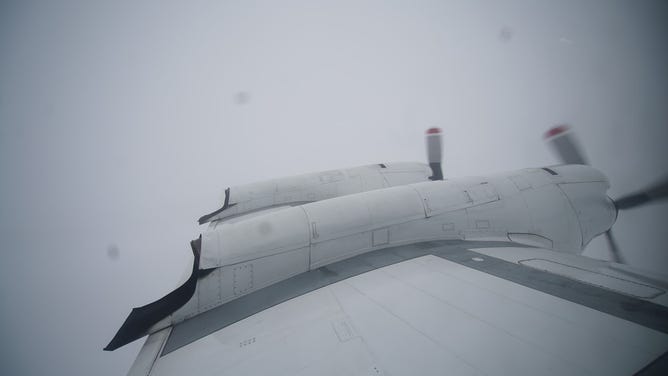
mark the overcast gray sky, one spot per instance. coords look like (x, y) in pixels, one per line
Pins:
(121, 122)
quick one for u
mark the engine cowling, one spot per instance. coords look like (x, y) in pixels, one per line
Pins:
(559, 208)
(312, 187)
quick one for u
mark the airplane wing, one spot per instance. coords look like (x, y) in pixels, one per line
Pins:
(440, 307)
(380, 277)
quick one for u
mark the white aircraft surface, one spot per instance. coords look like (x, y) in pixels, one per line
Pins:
(390, 270)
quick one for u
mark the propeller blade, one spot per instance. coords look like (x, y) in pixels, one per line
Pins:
(565, 144)
(434, 153)
(655, 192)
(614, 249)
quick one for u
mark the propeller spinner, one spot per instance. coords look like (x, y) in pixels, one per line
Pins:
(563, 141)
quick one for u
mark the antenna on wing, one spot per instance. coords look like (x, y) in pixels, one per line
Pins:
(434, 153)
(562, 139)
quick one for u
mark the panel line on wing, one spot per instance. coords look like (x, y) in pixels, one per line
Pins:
(643, 312)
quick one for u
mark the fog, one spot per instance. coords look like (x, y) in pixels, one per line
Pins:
(122, 122)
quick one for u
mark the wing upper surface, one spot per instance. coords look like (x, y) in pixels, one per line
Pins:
(433, 308)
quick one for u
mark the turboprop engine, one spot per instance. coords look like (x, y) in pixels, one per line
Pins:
(305, 188)
(560, 208)
(301, 189)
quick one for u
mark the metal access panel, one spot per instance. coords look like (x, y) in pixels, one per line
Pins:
(331, 176)
(326, 252)
(482, 193)
(442, 196)
(209, 290)
(520, 182)
(381, 237)
(242, 278)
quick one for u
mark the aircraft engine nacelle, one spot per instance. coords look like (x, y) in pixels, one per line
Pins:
(305, 188)
(560, 208)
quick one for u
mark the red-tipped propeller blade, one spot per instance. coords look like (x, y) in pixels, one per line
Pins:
(565, 144)
(434, 153)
